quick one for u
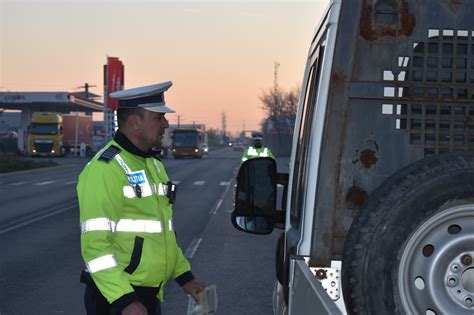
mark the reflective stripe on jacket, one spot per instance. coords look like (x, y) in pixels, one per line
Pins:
(127, 235)
(252, 152)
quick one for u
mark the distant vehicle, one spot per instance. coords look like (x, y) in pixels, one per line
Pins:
(85, 131)
(205, 149)
(238, 146)
(187, 142)
(53, 134)
(8, 142)
(8, 134)
(167, 141)
(45, 134)
(160, 152)
(231, 143)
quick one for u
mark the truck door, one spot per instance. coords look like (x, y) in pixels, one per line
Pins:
(306, 145)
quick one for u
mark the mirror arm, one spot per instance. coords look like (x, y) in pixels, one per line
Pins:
(280, 214)
(282, 179)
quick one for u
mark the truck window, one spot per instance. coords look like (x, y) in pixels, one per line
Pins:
(44, 129)
(302, 149)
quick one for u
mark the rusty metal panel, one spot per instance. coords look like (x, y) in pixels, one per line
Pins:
(401, 89)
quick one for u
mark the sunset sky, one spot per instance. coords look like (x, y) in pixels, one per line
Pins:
(219, 54)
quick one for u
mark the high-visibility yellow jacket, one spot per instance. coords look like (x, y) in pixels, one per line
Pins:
(253, 152)
(127, 233)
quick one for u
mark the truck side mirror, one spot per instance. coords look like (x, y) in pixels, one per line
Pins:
(255, 196)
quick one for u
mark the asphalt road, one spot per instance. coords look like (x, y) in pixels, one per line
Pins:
(40, 260)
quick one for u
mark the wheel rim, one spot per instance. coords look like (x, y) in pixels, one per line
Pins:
(436, 272)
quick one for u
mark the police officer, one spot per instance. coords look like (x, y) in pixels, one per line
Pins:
(257, 149)
(128, 241)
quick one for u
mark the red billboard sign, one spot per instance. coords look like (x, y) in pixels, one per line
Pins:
(113, 80)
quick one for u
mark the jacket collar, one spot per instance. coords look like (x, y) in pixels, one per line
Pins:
(125, 143)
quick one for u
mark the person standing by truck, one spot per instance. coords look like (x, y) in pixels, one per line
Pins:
(128, 241)
(257, 149)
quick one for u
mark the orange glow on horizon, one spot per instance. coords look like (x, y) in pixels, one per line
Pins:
(220, 56)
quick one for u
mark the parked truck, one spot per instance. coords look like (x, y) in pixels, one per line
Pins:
(54, 134)
(45, 134)
(85, 132)
(378, 206)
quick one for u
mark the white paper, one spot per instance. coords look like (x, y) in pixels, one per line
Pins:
(208, 302)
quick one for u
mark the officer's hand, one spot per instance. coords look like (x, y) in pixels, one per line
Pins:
(136, 308)
(193, 288)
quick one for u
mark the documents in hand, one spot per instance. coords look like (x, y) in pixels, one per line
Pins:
(208, 302)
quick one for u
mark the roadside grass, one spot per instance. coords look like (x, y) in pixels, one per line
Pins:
(12, 164)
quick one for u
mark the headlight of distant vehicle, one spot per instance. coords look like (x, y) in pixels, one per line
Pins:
(206, 149)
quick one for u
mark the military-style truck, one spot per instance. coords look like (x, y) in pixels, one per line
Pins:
(378, 206)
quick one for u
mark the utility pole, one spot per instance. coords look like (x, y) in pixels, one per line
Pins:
(179, 117)
(86, 87)
(224, 124)
(275, 75)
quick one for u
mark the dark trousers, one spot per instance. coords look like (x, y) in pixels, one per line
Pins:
(96, 304)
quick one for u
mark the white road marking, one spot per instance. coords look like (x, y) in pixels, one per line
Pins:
(216, 207)
(41, 217)
(224, 184)
(176, 182)
(220, 200)
(45, 183)
(199, 183)
(192, 248)
(71, 182)
(17, 184)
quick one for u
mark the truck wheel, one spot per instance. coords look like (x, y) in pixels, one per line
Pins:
(411, 248)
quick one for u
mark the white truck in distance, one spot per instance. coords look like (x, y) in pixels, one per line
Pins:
(378, 206)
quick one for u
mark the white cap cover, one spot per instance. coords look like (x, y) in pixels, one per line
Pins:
(150, 97)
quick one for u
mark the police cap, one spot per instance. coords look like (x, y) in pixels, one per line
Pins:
(257, 136)
(150, 97)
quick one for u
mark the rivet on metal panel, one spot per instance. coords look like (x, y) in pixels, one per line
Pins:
(321, 274)
(466, 260)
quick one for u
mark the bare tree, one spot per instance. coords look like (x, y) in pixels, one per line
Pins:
(280, 107)
(292, 102)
